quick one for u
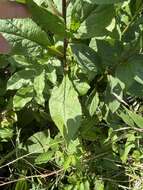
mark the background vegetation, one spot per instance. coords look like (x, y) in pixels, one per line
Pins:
(71, 97)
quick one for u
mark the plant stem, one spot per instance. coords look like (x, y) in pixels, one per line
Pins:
(65, 44)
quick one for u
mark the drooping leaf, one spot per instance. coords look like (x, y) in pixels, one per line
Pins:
(65, 109)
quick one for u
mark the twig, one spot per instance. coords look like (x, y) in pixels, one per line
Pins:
(29, 177)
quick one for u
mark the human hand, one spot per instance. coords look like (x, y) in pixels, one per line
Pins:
(10, 10)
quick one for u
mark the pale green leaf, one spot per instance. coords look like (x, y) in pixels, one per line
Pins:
(44, 157)
(20, 78)
(22, 97)
(94, 104)
(39, 85)
(39, 142)
(65, 109)
(81, 87)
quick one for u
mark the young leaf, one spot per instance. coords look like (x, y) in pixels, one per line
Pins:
(65, 109)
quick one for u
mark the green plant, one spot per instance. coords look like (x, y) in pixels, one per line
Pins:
(71, 96)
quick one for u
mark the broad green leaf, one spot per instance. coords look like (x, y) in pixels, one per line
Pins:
(87, 58)
(6, 133)
(20, 78)
(109, 50)
(114, 93)
(81, 87)
(39, 142)
(24, 35)
(65, 109)
(99, 185)
(96, 23)
(22, 97)
(80, 12)
(133, 68)
(44, 157)
(39, 85)
(46, 19)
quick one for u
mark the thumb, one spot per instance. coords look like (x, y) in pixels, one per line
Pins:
(13, 10)
(4, 45)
